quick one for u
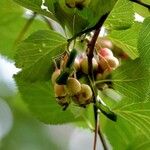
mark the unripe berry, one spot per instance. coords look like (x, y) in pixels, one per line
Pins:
(59, 90)
(73, 86)
(85, 94)
(84, 65)
(104, 52)
(54, 76)
(104, 43)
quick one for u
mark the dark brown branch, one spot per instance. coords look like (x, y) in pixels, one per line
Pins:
(141, 3)
(90, 55)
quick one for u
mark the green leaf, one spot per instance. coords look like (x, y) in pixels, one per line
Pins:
(102, 7)
(35, 5)
(124, 135)
(144, 42)
(132, 81)
(70, 18)
(34, 55)
(137, 114)
(11, 23)
(122, 15)
(120, 134)
(39, 97)
(127, 40)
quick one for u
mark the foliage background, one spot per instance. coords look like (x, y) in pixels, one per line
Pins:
(28, 133)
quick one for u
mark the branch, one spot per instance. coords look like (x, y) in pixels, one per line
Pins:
(90, 55)
(89, 29)
(141, 3)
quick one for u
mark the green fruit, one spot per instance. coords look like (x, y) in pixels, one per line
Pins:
(59, 90)
(54, 76)
(84, 65)
(73, 86)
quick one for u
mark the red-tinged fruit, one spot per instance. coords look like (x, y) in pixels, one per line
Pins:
(104, 52)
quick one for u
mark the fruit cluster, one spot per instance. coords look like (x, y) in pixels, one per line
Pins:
(74, 88)
(81, 94)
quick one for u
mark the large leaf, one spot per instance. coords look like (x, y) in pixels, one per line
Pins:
(127, 40)
(144, 42)
(137, 114)
(102, 7)
(125, 134)
(70, 18)
(39, 97)
(120, 134)
(11, 23)
(132, 81)
(34, 55)
(122, 15)
(78, 20)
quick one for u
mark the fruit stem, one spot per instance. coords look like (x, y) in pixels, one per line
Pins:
(90, 54)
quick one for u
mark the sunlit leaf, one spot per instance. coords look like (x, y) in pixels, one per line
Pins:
(122, 15)
(127, 40)
(34, 55)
